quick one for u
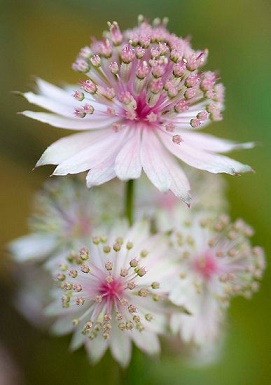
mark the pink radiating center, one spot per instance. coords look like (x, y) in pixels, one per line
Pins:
(112, 290)
(142, 109)
(81, 227)
(206, 266)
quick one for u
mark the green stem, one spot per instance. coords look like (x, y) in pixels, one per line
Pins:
(129, 203)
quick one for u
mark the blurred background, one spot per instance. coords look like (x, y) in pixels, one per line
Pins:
(42, 38)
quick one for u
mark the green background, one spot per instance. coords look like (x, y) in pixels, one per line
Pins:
(42, 38)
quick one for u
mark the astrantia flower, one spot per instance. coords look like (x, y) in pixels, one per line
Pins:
(112, 294)
(143, 102)
(216, 262)
(64, 216)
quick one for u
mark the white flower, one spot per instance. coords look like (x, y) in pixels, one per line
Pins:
(64, 216)
(113, 294)
(216, 262)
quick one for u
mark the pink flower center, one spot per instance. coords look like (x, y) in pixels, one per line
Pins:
(206, 266)
(112, 290)
(81, 227)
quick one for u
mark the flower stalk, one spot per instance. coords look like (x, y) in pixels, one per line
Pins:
(129, 201)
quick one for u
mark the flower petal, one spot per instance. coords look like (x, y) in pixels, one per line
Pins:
(211, 143)
(128, 162)
(52, 105)
(98, 150)
(95, 348)
(54, 92)
(67, 147)
(120, 345)
(54, 120)
(32, 247)
(161, 169)
(203, 160)
(102, 173)
(147, 341)
(64, 95)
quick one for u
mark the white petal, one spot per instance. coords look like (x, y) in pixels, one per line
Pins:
(63, 325)
(203, 160)
(128, 163)
(87, 123)
(161, 169)
(175, 322)
(95, 348)
(152, 161)
(102, 173)
(211, 143)
(52, 105)
(120, 345)
(77, 339)
(146, 341)
(54, 92)
(32, 247)
(64, 95)
(67, 147)
(139, 232)
(101, 148)
(57, 258)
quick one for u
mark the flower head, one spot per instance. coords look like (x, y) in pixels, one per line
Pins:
(142, 104)
(216, 262)
(64, 217)
(113, 293)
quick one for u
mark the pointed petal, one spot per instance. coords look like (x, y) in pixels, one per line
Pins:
(102, 173)
(203, 160)
(77, 339)
(147, 341)
(128, 163)
(211, 143)
(120, 346)
(32, 247)
(64, 95)
(54, 92)
(96, 348)
(87, 123)
(161, 169)
(103, 147)
(52, 105)
(63, 326)
(65, 148)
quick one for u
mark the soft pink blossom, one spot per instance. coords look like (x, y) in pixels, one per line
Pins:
(141, 107)
(216, 262)
(65, 215)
